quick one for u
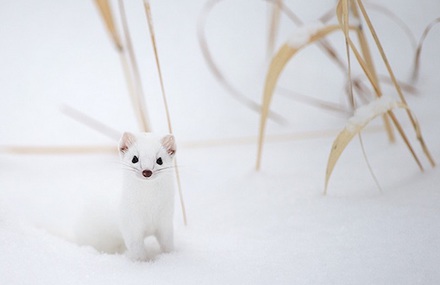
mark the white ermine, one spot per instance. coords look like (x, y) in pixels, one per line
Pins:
(147, 203)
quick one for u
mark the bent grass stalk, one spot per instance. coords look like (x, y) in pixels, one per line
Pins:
(286, 52)
(396, 19)
(395, 82)
(323, 44)
(219, 75)
(279, 61)
(311, 101)
(415, 74)
(344, 138)
(370, 76)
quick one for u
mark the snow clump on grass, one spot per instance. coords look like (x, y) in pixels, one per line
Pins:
(366, 113)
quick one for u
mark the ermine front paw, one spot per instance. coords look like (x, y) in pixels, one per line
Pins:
(137, 252)
(166, 241)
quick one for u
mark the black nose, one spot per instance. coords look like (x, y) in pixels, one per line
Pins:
(147, 173)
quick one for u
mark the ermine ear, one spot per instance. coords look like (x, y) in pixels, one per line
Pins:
(126, 141)
(169, 144)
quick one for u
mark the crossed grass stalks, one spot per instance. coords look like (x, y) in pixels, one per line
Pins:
(124, 49)
(357, 89)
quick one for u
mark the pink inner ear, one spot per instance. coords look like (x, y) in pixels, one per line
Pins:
(169, 144)
(126, 141)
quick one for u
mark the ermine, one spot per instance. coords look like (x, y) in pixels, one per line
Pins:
(147, 203)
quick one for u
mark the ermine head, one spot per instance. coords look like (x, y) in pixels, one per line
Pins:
(147, 154)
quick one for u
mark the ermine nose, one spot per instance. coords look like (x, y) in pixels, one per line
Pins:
(147, 173)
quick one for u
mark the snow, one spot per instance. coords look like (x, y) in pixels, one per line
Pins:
(274, 226)
(366, 113)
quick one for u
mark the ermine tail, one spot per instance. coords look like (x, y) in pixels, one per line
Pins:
(98, 227)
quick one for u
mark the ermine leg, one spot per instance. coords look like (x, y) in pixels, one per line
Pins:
(136, 249)
(165, 237)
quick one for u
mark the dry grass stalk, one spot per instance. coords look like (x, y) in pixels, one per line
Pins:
(165, 102)
(327, 48)
(370, 64)
(91, 123)
(393, 17)
(156, 57)
(347, 134)
(347, 50)
(131, 88)
(364, 59)
(273, 138)
(407, 87)
(367, 161)
(288, 12)
(273, 27)
(107, 15)
(415, 75)
(344, 138)
(221, 78)
(132, 76)
(278, 5)
(139, 92)
(369, 75)
(104, 8)
(323, 44)
(315, 102)
(395, 82)
(277, 65)
(58, 149)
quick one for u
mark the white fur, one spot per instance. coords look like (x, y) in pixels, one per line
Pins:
(98, 227)
(147, 203)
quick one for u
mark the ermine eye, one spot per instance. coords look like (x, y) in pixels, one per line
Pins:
(159, 161)
(135, 159)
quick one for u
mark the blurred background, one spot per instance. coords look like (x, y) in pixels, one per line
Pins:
(58, 55)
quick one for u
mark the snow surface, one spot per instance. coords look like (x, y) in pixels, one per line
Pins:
(245, 227)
